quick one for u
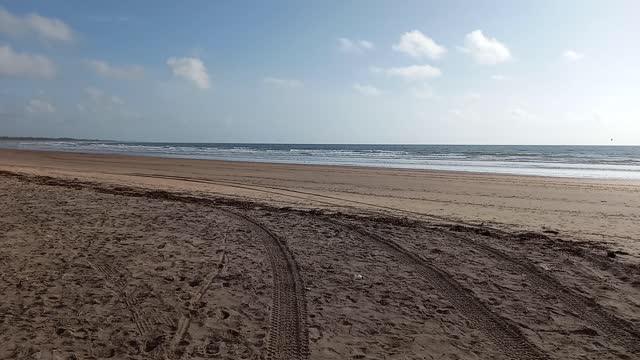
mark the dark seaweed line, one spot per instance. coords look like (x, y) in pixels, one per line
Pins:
(501, 331)
(261, 188)
(380, 209)
(586, 309)
(288, 335)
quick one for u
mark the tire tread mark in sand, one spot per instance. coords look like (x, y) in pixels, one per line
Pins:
(114, 280)
(185, 319)
(288, 335)
(261, 188)
(288, 332)
(506, 335)
(584, 308)
(145, 322)
(118, 286)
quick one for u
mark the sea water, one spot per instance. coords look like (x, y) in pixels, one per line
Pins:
(614, 162)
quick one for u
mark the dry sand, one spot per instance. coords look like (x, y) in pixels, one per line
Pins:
(130, 257)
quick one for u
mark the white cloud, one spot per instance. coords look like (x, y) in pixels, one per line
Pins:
(38, 106)
(354, 46)
(485, 50)
(418, 45)
(121, 72)
(499, 77)
(190, 68)
(35, 25)
(283, 82)
(367, 90)
(17, 64)
(572, 55)
(413, 72)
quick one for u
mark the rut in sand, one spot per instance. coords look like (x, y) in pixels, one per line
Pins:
(501, 331)
(617, 330)
(288, 332)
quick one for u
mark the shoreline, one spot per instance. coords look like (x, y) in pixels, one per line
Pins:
(352, 166)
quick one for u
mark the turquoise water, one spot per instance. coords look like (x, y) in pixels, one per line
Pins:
(618, 162)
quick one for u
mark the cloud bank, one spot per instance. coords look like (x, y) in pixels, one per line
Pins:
(45, 28)
(22, 64)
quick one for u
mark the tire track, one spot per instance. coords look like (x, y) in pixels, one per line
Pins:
(288, 332)
(288, 335)
(279, 191)
(145, 321)
(506, 335)
(185, 320)
(618, 330)
(113, 279)
(417, 215)
(115, 282)
(262, 188)
(628, 339)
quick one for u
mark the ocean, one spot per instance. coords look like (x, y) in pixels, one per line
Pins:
(610, 162)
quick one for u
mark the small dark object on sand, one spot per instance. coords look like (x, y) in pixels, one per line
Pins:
(611, 254)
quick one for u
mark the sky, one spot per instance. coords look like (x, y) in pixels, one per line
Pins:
(403, 72)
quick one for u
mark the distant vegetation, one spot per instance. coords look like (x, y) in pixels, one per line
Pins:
(48, 138)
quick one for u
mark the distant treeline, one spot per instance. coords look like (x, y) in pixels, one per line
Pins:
(48, 138)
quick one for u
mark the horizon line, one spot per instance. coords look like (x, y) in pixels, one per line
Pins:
(44, 138)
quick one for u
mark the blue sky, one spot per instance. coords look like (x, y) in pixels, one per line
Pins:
(487, 72)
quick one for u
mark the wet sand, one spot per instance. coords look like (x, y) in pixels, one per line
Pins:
(129, 257)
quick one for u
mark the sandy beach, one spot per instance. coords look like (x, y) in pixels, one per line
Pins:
(111, 256)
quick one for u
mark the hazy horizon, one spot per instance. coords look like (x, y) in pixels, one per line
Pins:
(419, 72)
(2, 137)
